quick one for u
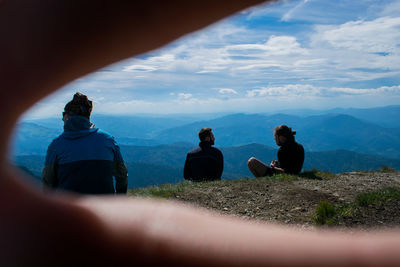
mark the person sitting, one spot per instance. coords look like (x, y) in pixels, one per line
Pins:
(204, 163)
(290, 155)
(84, 159)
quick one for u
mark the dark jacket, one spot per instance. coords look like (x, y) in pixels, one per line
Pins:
(291, 157)
(84, 159)
(204, 163)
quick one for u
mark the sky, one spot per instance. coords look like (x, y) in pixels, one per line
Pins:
(316, 54)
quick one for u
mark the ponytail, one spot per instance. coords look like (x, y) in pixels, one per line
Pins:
(283, 130)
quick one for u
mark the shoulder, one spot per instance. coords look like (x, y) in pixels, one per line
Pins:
(104, 135)
(56, 142)
(216, 150)
(194, 150)
(299, 146)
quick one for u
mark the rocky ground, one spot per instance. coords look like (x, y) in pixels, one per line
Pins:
(294, 201)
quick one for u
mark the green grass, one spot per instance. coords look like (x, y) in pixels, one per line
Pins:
(383, 169)
(325, 214)
(329, 214)
(169, 190)
(378, 196)
(172, 190)
(162, 191)
(386, 169)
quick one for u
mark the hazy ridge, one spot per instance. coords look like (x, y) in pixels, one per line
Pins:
(155, 148)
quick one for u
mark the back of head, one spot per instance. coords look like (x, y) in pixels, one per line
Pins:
(80, 105)
(283, 130)
(204, 133)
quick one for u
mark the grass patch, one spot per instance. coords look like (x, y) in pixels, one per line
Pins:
(325, 214)
(383, 169)
(378, 196)
(170, 190)
(282, 177)
(329, 214)
(386, 169)
(162, 191)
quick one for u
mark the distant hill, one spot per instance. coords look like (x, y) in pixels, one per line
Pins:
(33, 163)
(346, 132)
(353, 130)
(142, 174)
(316, 133)
(164, 164)
(32, 139)
(384, 116)
(387, 116)
(138, 127)
(231, 130)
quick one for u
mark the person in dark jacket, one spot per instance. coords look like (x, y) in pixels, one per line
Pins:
(84, 159)
(204, 163)
(290, 155)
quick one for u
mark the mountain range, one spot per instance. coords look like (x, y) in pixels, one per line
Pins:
(154, 147)
(328, 131)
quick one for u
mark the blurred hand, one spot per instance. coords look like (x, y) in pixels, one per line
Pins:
(46, 44)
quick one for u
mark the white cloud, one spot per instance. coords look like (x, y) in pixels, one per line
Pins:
(163, 61)
(303, 90)
(288, 15)
(227, 91)
(139, 68)
(301, 62)
(392, 9)
(184, 96)
(379, 35)
(276, 45)
(287, 91)
(388, 90)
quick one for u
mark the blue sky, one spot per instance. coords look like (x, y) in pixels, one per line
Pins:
(316, 54)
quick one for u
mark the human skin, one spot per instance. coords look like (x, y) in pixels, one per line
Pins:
(44, 45)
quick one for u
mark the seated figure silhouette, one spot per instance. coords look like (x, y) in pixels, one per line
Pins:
(290, 155)
(204, 163)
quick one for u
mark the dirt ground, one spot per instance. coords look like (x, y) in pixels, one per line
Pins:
(294, 202)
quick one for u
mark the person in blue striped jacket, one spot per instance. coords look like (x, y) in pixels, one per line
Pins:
(84, 159)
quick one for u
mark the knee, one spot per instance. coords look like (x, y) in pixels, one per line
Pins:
(251, 162)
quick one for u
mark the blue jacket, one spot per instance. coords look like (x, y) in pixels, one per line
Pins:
(84, 159)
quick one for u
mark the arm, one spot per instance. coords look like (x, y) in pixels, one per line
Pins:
(49, 173)
(49, 177)
(121, 177)
(220, 164)
(120, 171)
(187, 174)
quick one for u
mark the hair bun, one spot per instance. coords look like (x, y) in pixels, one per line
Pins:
(80, 105)
(80, 98)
